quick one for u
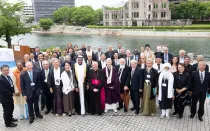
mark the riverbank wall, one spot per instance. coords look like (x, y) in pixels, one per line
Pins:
(123, 32)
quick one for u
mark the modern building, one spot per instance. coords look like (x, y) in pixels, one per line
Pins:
(27, 11)
(140, 13)
(45, 8)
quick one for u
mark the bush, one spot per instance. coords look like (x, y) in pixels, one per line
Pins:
(46, 23)
(193, 27)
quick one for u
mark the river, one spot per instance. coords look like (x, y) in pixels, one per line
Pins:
(194, 45)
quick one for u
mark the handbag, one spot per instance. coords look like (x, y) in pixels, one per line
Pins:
(126, 98)
(26, 114)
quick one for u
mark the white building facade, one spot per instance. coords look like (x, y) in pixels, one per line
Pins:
(140, 13)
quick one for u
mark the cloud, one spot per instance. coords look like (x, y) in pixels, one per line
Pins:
(99, 3)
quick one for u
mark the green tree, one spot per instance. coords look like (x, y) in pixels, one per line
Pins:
(83, 15)
(10, 24)
(99, 16)
(63, 14)
(30, 20)
(46, 23)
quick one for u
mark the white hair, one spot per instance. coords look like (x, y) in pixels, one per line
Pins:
(28, 62)
(45, 62)
(150, 60)
(134, 61)
(55, 59)
(182, 51)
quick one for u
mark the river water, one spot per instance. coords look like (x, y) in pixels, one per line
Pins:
(192, 45)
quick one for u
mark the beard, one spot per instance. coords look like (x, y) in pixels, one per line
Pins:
(122, 66)
(166, 74)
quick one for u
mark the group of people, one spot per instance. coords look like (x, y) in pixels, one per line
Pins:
(79, 81)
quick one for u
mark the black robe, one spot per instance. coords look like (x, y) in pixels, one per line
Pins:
(95, 97)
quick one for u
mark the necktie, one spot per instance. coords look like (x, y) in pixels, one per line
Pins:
(40, 64)
(165, 57)
(10, 81)
(119, 71)
(128, 62)
(132, 72)
(201, 77)
(158, 66)
(109, 54)
(31, 77)
(46, 74)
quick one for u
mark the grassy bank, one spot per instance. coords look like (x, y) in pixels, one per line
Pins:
(205, 27)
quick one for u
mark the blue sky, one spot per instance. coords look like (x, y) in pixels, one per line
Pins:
(98, 3)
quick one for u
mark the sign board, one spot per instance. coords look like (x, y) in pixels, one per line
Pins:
(6, 55)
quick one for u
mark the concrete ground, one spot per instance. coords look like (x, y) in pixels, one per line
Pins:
(112, 122)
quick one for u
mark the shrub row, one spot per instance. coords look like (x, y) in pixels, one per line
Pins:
(193, 27)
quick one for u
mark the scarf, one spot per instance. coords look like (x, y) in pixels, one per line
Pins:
(109, 77)
(121, 71)
(170, 78)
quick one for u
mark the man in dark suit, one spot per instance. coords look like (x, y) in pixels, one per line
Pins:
(98, 54)
(110, 53)
(122, 54)
(195, 66)
(46, 89)
(166, 57)
(188, 66)
(135, 55)
(30, 82)
(200, 85)
(123, 73)
(37, 51)
(119, 47)
(83, 49)
(68, 59)
(38, 64)
(115, 62)
(6, 96)
(135, 84)
(128, 58)
(64, 54)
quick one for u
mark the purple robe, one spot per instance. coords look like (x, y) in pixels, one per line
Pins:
(112, 96)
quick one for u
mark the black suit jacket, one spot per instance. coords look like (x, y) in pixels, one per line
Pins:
(122, 56)
(195, 67)
(124, 81)
(96, 56)
(197, 86)
(108, 53)
(93, 56)
(6, 91)
(170, 56)
(136, 57)
(136, 80)
(36, 56)
(99, 65)
(37, 66)
(45, 86)
(25, 83)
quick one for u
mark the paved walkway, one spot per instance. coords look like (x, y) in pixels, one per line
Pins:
(112, 122)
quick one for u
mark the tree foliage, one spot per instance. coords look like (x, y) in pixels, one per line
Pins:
(10, 24)
(46, 23)
(190, 10)
(83, 15)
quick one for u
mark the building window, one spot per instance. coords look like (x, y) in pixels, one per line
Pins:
(135, 5)
(106, 16)
(155, 15)
(114, 16)
(163, 14)
(149, 7)
(164, 5)
(135, 14)
(155, 5)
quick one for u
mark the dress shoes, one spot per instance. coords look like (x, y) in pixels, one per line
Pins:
(11, 125)
(40, 116)
(192, 116)
(132, 109)
(200, 118)
(119, 108)
(47, 112)
(31, 120)
(14, 120)
(137, 112)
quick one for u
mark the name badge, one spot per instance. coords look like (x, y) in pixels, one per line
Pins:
(45, 80)
(163, 84)
(148, 76)
(32, 84)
